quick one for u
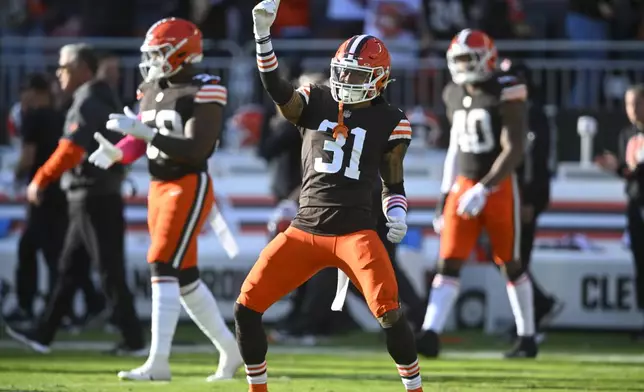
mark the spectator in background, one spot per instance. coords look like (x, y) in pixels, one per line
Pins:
(546, 18)
(534, 184)
(45, 224)
(501, 19)
(109, 70)
(588, 20)
(96, 221)
(398, 23)
(344, 18)
(629, 165)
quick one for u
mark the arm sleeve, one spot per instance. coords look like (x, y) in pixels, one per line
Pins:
(132, 148)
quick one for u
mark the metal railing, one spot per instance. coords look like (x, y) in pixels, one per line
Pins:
(594, 72)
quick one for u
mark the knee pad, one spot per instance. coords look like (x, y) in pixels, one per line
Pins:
(390, 318)
(450, 267)
(513, 270)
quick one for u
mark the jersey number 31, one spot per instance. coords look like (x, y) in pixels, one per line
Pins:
(335, 147)
(473, 130)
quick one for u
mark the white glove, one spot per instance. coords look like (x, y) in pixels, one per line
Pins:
(129, 124)
(438, 223)
(130, 113)
(106, 154)
(472, 202)
(264, 15)
(397, 229)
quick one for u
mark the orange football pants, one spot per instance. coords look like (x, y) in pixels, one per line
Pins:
(177, 211)
(500, 218)
(294, 256)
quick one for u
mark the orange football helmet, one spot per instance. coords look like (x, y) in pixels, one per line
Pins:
(360, 69)
(471, 57)
(169, 44)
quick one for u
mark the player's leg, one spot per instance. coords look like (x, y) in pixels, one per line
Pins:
(174, 209)
(363, 257)
(200, 303)
(289, 260)
(457, 240)
(502, 221)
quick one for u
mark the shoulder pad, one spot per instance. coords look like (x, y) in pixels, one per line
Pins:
(140, 91)
(305, 90)
(402, 130)
(210, 91)
(512, 88)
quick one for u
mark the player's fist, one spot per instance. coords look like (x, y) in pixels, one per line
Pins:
(472, 202)
(397, 229)
(264, 15)
(106, 154)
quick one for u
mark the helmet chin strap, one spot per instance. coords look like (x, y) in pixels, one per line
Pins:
(340, 128)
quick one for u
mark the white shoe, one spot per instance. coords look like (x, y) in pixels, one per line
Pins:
(229, 363)
(147, 373)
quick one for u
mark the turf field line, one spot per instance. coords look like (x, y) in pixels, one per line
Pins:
(312, 350)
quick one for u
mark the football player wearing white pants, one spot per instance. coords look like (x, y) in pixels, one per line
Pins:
(178, 127)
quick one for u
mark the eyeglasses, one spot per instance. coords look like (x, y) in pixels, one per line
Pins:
(63, 67)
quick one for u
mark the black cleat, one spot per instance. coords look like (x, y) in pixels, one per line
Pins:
(525, 347)
(28, 338)
(428, 344)
(544, 316)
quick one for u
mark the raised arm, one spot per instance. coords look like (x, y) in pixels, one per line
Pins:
(290, 103)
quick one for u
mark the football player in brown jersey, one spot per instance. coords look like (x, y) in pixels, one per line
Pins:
(351, 138)
(488, 112)
(178, 128)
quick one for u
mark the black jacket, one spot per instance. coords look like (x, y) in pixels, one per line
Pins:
(534, 173)
(634, 177)
(281, 146)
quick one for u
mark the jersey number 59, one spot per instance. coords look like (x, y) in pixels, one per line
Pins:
(335, 147)
(473, 130)
(166, 122)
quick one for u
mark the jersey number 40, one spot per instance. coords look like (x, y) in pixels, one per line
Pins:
(473, 130)
(336, 148)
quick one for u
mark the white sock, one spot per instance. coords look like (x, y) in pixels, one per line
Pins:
(165, 315)
(257, 374)
(520, 295)
(200, 304)
(410, 375)
(441, 299)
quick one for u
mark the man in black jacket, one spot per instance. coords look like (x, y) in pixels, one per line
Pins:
(629, 165)
(96, 210)
(534, 182)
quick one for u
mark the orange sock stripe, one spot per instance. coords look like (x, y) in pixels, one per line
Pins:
(256, 367)
(407, 367)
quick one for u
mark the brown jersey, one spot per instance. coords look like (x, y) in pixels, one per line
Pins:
(338, 176)
(477, 122)
(168, 108)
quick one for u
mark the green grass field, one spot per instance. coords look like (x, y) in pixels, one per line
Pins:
(569, 362)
